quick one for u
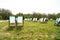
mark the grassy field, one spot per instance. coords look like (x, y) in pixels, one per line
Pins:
(30, 31)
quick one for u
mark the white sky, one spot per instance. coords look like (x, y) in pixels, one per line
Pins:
(29, 6)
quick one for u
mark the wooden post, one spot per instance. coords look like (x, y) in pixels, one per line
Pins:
(16, 22)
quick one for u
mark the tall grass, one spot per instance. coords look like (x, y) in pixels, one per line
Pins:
(32, 31)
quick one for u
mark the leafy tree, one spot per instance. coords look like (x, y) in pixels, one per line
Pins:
(5, 13)
(19, 14)
(58, 15)
(27, 15)
(34, 15)
(44, 15)
(53, 16)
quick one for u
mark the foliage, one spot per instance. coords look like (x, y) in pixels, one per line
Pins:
(5, 13)
(39, 15)
(19, 14)
(58, 15)
(0, 17)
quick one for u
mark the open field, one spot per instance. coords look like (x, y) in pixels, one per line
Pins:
(31, 31)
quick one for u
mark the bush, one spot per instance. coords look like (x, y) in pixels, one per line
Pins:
(0, 17)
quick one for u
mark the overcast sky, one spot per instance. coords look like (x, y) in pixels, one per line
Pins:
(29, 6)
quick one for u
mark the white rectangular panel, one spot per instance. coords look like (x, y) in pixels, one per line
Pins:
(12, 19)
(20, 19)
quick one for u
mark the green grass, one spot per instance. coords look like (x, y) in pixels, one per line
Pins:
(2, 24)
(32, 31)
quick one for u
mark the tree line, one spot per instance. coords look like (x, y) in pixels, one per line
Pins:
(5, 13)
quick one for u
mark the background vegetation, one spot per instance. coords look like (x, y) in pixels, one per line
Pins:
(4, 14)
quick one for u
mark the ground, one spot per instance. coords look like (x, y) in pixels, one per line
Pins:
(30, 31)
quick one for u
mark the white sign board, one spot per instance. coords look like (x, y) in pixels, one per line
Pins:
(59, 19)
(28, 19)
(45, 19)
(51, 19)
(20, 19)
(41, 19)
(34, 19)
(12, 19)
